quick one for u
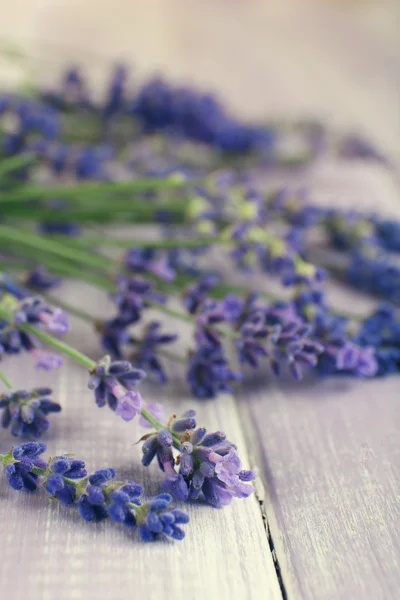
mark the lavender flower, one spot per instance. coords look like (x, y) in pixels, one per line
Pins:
(210, 314)
(253, 342)
(58, 474)
(388, 361)
(115, 97)
(341, 354)
(349, 230)
(293, 346)
(40, 280)
(131, 298)
(158, 517)
(209, 372)
(113, 336)
(26, 412)
(195, 294)
(35, 312)
(382, 328)
(278, 334)
(97, 496)
(382, 331)
(208, 464)
(377, 275)
(158, 445)
(9, 286)
(387, 233)
(145, 357)
(195, 116)
(147, 260)
(114, 384)
(92, 503)
(20, 465)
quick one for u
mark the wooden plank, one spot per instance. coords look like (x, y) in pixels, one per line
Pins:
(49, 552)
(329, 452)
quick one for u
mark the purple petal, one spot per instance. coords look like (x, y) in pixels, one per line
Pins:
(129, 406)
(46, 360)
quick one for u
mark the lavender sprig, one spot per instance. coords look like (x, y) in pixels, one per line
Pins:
(23, 310)
(98, 496)
(204, 464)
(25, 412)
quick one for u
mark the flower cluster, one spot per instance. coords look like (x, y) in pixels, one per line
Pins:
(145, 355)
(174, 157)
(35, 311)
(114, 385)
(206, 464)
(382, 331)
(377, 275)
(23, 310)
(26, 412)
(27, 124)
(98, 496)
(161, 106)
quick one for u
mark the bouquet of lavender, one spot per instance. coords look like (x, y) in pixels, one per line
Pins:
(174, 160)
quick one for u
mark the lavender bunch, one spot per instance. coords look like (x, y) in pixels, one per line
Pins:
(97, 496)
(114, 384)
(196, 463)
(111, 381)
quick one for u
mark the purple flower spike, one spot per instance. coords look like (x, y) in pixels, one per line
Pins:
(208, 464)
(146, 356)
(209, 373)
(40, 280)
(129, 406)
(26, 412)
(35, 312)
(196, 293)
(114, 384)
(97, 496)
(131, 298)
(19, 474)
(147, 260)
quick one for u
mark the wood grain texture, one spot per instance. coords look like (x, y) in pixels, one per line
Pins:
(329, 452)
(49, 552)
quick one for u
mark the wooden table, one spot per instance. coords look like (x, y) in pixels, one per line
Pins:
(324, 523)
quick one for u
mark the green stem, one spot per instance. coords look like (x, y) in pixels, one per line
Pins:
(5, 381)
(88, 318)
(115, 212)
(38, 242)
(40, 471)
(62, 347)
(77, 356)
(93, 241)
(79, 190)
(158, 426)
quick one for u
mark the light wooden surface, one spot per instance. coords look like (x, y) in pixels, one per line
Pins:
(48, 552)
(327, 453)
